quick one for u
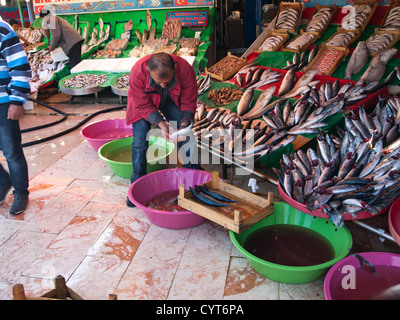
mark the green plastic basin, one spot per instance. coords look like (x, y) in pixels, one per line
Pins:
(340, 239)
(118, 155)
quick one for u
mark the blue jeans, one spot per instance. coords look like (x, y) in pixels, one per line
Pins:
(10, 144)
(140, 144)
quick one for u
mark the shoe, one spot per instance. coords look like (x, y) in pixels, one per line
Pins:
(4, 191)
(129, 203)
(19, 204)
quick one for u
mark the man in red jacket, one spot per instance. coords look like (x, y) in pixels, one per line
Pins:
(162, 88)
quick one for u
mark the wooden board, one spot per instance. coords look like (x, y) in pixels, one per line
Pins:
(248, 210)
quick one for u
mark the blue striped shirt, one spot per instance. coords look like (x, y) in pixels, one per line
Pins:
(15, 71)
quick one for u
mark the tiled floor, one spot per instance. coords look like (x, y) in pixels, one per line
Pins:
(77, 225)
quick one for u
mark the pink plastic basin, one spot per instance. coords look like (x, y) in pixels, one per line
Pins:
(394, 221)
(339, 270)
(146, 187)
(103, 131)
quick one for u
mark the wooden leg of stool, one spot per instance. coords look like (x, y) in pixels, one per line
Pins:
(18, 292)
(61, 287)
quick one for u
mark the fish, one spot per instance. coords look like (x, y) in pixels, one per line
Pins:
(215, 194)
(287, 82)
(203, 198)
(260, 106)
(358, 60)
(149, 19)
(245, 102)
(305, 79)
(182, 132)
(377, 66)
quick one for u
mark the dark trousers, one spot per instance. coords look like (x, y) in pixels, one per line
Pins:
(140, 144)
(10, 144)
(75, 54)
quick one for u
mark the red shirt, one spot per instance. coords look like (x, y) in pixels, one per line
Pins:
(143, 99)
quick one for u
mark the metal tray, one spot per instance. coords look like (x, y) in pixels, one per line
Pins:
(80, 92)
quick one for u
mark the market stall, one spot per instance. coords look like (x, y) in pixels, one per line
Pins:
(119, 38)
(301, 106)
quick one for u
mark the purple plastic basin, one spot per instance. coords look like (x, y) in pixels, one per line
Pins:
(340, 270)
(103, 131)
(146, 187)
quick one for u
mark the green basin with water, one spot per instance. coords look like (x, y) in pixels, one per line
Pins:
(118, 155)
(340, 238)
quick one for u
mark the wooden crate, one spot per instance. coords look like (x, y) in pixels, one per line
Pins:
(391, 44)
(228, 73)
(249, 209)
(318, 7)
(393, 3)
(339, 31)
(320, 55)
(285, 36)
(305, 46)
(298, 6)
(375, 4)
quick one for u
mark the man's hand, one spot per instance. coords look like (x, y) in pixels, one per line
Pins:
(164, 129)
(184, 124)
(15, 112)
(51, 48)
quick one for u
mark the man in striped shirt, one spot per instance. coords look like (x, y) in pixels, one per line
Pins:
(15, 73)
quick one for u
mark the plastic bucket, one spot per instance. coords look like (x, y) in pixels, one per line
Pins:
(340, 239)
(118, 155)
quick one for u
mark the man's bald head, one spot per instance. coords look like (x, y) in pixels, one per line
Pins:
(162, 68)
(162, 64)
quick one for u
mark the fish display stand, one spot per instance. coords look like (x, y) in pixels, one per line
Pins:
(248, 210)
(61, 292)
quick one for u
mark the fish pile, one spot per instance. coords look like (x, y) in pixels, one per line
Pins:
(188, 47)
(33, 35)
(300, 62)
(172, 29)
(43, 67)
(203, 84)
(301, 41)
(85, 80)
(358, 14)
(97, 38)
(377, 66)
(341, 39)
(357, 170)
(380, 41)
(255, 76)
(392, 21)
(287, 19)
(123, 82)
(148, 47)
(226, 65)
(320, 19)
(271, 43)
(225, 96)
(116, 44)
(149, 33)
(210, 197)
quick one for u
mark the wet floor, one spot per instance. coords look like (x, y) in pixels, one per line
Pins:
(77, 225)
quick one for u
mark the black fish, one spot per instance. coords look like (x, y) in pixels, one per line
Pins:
(214, 194)
(206, 200)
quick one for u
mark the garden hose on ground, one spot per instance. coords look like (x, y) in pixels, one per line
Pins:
(65, 115)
